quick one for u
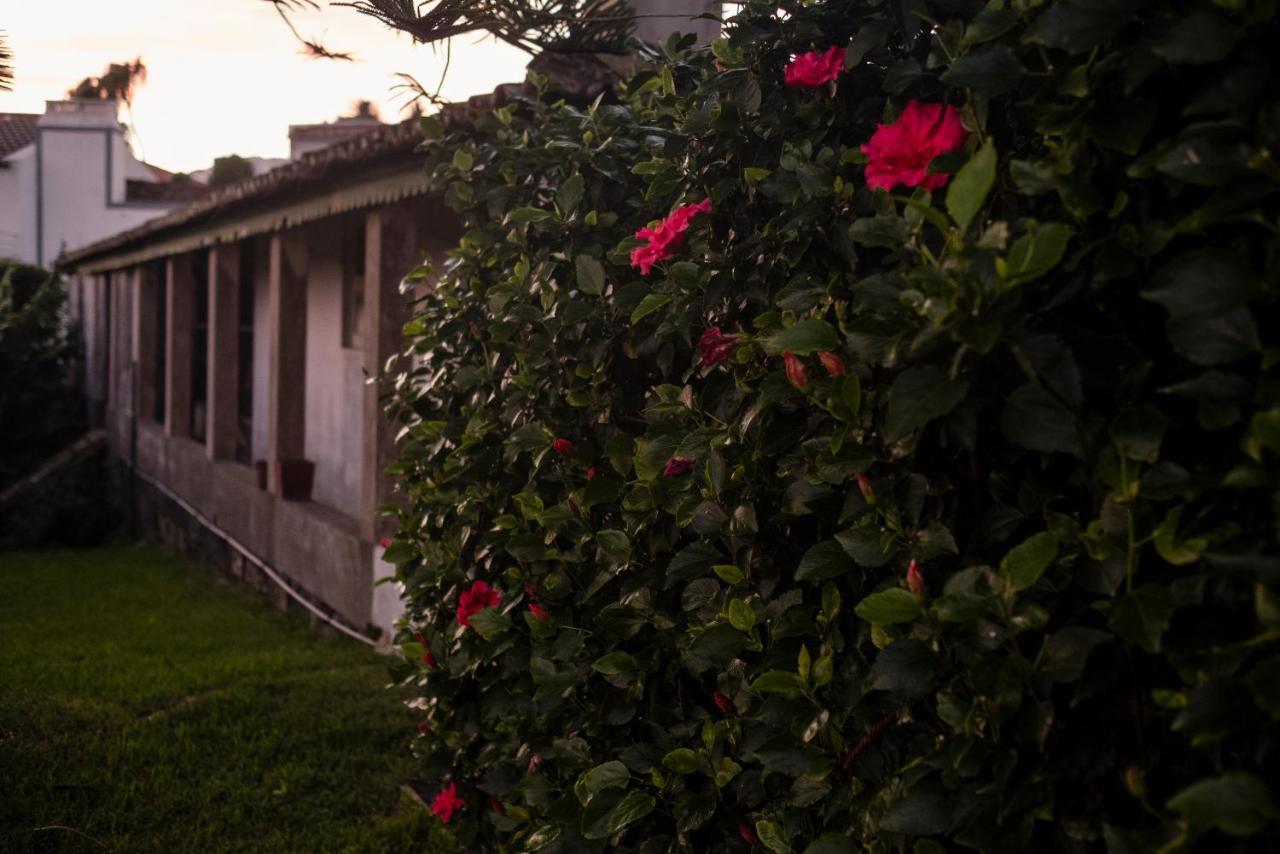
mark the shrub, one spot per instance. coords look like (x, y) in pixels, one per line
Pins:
(970, 541)
(40, 410)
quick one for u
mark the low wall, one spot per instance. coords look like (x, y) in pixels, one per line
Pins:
(317, 550)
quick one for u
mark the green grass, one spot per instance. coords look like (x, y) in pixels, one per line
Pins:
(147, 706)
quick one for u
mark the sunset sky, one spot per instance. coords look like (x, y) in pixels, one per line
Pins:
(226, 76)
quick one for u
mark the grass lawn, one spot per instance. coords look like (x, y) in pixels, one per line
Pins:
(147, 706)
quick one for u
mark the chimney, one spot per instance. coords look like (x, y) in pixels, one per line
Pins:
(657, 19)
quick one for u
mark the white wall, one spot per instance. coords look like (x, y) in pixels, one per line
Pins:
(18, 206)
(335, 379)
(676, 16)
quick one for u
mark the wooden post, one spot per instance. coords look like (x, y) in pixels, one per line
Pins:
(224, 356)
(287, 355)
(180, 316)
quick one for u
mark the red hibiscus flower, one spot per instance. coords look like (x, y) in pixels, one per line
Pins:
(424, 728)
(563, 447)
(447, 802)
(715, 347)
(723, 703)
(915, 578)
(677, 466)
(429, 660)
(833, 363)
(535, 762)
(865, 487)
(816, 68)
(795, 371)
(385, 542)
(747, 833)
(665, 238)
(496, 805)
(479, 597)
(540, 612)
(591, 473)
(900, 153)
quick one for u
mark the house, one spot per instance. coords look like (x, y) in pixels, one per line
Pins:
(227, 346)
(68, 178)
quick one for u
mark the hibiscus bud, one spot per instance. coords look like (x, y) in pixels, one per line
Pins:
(677, 466)
(418, 635)
(535, 762)
(723, 703)
(424, 728)
(572, 505)
(429, 660)
(833, 363)
(531, 590)
(385, 542)
(1135, 781)
(747, 833)
(795, 371)
(540, 612)
(563, 447)
(591, 474)
(915, 578)
(865, 487)
(496, 805)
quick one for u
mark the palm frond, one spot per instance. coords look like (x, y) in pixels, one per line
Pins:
(593, 26)
(6, 65)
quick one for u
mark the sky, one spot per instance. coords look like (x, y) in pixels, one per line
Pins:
(226, 76)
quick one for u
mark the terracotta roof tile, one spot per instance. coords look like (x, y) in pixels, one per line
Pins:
(17, 130)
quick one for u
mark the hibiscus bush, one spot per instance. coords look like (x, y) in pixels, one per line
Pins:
(859, 435)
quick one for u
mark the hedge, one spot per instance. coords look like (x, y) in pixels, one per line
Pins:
(861, 435)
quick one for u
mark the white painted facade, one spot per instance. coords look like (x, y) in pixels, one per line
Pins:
(67, 189)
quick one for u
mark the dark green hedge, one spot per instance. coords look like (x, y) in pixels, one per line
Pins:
(1050, 382)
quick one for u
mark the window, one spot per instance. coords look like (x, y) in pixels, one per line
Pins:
(244, 351)
(353, 226)
(200, 344)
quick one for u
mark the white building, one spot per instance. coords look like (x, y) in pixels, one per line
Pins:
(68, 178)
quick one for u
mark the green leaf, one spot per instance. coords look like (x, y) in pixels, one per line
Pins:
(905, 668)
(741, 615)
(831, 843)
(1037, 252)
(1237, 803)
(890, 606)
(1202, 283)
(570, 194)
(1141, 617)
(528, 214)
(633, 807)
(614, 543)
(919, 395)
(988, 71)
(1067, 650)
(926, 810)
(651, 303)
(1027, 561)
(773, 837)
(782, 682)
(490, 623)
(825, 560)
(803, 337)
(615, 663)
(605, 776)
(682, 760)
(865, 546)
(1033, 418)
(590, 274)
(729, 573)
(968, 190)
